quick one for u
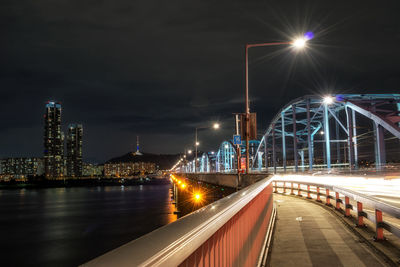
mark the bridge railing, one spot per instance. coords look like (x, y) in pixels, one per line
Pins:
(342, 197)
(232, 231)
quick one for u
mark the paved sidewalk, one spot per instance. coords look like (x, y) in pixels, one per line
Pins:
(309, 235)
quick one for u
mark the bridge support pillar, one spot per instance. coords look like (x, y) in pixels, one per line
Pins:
(309, 142)
(353, 115)
(283, 142)
(273, 148)
(338, 156)
(398, 108)
(296, 167)
(380, 155)
(350, 137)
(266, 151)
(327, 137)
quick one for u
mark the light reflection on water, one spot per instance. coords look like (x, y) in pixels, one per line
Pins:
(69, 226)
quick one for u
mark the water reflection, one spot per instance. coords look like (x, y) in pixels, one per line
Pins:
(69, 226)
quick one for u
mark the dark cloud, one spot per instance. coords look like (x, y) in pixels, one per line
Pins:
(160, 68)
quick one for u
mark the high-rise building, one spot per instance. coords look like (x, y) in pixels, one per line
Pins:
(74, 150)
(53, 145)
(21, 167)
(64, 161)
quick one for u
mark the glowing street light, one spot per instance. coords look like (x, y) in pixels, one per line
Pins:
(328, 100)
(298, 43)
(216, 126)
(189, 151)
(197, 197)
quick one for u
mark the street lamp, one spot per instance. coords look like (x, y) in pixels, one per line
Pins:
(215, 126)
(328, 100)
(298, 43)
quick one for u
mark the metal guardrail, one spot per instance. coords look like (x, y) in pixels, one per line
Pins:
(229, 232)
(361, 200)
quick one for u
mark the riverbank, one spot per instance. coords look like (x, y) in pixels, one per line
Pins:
(82, 183)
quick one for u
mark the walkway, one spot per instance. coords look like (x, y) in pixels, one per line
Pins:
(306, 234)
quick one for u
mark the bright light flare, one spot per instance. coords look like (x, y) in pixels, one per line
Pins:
(328, 100)
(183, 186)
(300, 43)
(197, 197)
(197, 143)
(216, 126)
(189, 151)
(309, 35)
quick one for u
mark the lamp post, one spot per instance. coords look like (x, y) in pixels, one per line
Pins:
(298, 43)
(196, 144)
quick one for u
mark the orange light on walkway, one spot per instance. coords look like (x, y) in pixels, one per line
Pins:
(197, 197)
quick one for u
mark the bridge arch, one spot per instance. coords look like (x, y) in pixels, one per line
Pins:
(205, 164)
(225, 157)
(330, 123)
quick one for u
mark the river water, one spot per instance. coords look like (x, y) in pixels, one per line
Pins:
(69, 226)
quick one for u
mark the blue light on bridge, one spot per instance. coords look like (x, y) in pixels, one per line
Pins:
(309, 35)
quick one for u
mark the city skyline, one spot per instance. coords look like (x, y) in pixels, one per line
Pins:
(161, 78)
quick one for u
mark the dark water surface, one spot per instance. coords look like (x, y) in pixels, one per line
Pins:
(69, 226)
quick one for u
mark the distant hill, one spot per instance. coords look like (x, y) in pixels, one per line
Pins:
(164, 162)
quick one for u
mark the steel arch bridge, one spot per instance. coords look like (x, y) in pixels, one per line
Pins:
(331, 123)
(224, 160)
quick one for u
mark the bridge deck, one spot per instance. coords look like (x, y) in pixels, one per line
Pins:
(308, 235)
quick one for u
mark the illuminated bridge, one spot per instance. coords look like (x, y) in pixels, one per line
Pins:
(323, 183)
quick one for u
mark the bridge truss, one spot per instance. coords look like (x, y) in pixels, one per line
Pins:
(331, 123)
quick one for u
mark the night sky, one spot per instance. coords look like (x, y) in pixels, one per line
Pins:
(160, 68)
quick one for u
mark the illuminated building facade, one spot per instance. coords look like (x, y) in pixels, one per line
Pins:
(92, 170)
(20, 168)
(53, 144)
(128, 169)
(74, 150)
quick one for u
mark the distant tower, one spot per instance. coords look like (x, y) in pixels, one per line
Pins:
(53, 145)
(74, 150)
(137, 153)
